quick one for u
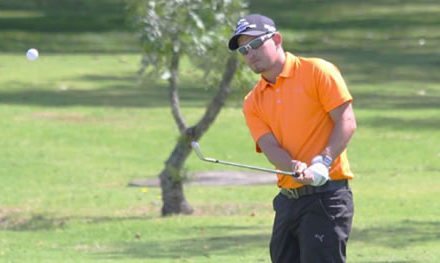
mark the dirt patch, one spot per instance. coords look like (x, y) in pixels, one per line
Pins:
(216, 178)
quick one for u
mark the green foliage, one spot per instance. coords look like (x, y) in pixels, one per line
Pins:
(196, 29)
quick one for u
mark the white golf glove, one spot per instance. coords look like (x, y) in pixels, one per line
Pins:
(318, 170)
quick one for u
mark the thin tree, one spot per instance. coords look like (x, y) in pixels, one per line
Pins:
(196, 30)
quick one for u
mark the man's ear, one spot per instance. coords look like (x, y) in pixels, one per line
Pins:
(278, 39)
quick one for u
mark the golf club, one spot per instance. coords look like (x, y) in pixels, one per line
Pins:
(196, 147)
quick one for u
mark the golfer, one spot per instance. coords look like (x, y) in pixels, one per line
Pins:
(300, 116)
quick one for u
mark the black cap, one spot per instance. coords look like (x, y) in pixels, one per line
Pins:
(251, 25)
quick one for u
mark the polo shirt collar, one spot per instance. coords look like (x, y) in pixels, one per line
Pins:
(287, 71)
(288, 65)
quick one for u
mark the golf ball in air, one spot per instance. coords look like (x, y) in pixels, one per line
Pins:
(32, 54)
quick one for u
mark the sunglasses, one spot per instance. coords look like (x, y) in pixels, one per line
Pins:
(254, 44)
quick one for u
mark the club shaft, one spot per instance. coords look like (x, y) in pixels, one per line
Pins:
(249, 166)
(196, 148)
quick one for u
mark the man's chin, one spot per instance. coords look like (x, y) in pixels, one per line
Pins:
(257, 70)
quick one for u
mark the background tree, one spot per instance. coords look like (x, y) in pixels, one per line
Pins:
(197, 30)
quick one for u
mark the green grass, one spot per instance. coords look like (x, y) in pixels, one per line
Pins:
(78, 124)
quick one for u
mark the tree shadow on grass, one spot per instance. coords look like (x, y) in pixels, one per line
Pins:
(398, 236)
(379, 63)
(405, 233)
(388, 65)
(370, 47)
(122, 92)
(68, 26)
(233, 239)
(204, 246)
(403, 124)
(41, 222)
(337, 14)
(64, 16)
(375, 100)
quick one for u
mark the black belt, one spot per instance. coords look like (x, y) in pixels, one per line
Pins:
(295, 193)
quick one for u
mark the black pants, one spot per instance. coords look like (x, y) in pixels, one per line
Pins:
(313, 228)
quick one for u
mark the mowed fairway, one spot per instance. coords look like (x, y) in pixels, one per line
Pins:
(78, 125)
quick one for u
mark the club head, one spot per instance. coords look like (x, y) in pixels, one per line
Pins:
(196, 147)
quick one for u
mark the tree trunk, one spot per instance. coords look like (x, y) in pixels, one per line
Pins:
(173, 198)
(171, 179)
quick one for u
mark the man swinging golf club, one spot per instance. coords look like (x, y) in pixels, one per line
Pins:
(300, 116)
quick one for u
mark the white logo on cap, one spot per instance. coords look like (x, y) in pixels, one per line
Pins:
(242, 25)
(270, 28)
(241, 21)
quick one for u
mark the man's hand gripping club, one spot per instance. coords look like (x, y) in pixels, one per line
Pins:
(316, 174)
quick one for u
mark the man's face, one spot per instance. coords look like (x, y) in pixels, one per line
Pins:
(262, 58)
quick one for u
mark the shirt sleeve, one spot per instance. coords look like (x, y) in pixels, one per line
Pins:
(332, 89)
(255, 123)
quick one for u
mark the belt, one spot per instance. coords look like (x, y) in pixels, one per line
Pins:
(295, 193)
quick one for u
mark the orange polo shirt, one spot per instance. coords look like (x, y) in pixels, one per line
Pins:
(296, 111)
